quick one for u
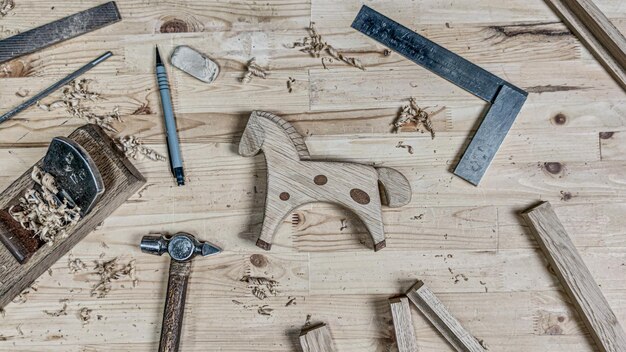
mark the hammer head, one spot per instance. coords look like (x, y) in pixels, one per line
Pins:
(181, 246)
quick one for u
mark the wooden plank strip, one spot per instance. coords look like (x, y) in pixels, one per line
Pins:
(403, 324)
(450, 328)
(598, 33)
(317, 339)
(576, 278)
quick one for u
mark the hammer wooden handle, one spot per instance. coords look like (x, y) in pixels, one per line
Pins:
(174, 306)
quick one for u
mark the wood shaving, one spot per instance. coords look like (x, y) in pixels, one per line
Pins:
(133, 148)
(57, 313)
(144, 109)
(6, 6)
(75, 95)
(261, 287)
(405, 146)
(85, 315)
(315, 46)
(22, 93)
(253, 70)
(344, 225)
(413, 116)
(265, 310)
(75, 264)
(23, 296)
(109, 271)
(42, 212)
(307, 322)
(290, 83)
(291, 301)
(19, 330)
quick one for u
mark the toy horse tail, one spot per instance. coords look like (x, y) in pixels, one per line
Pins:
(395, 190)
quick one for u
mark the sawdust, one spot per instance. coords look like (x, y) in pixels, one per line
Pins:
(253, 70)
(75, 264)
(42, 212)
(6, 6)
(58, 313)
(260, 287)
(133, 148)
(315, 46)
(415, 117)
(109, 271)
(76, 96)
(84, 314)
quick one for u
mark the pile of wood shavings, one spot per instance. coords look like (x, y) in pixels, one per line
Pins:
(85, 315)
(253, 70)
(109, 271)
(133, 148)
(75, 264)
(75, 95)
(413, 116)
(315, 46)
(42, 212)
(6, 6)
(261, 287)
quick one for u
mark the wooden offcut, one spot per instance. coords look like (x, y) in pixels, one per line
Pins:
(121, 180)
(438, 315)
(576, 278)
(317, 338)
(597, 32)
(403, 325)
(293, 179)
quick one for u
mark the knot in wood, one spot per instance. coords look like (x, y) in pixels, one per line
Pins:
(359, 196)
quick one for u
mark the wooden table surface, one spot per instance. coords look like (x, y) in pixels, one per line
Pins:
(467, 243)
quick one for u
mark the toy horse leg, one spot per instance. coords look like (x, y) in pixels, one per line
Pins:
(275, 213)
(374, 225)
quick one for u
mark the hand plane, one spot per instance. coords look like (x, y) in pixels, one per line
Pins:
(91, 176)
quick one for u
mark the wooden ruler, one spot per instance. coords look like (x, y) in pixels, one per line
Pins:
(506, 99)
(58, 31)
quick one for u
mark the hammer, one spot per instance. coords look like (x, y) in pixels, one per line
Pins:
(181, 247)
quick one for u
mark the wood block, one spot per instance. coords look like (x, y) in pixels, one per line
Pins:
(403, 324)
(317, 339)
(576, 278)
(595, 30)
(121, 180)
(438, 315)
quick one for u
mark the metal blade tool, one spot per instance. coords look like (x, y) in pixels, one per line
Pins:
(506, 99)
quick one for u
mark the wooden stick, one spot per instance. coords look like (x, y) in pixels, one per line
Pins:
(595, 30)
(403, 325)
(438, 315)
(575, 278)
(317, 339)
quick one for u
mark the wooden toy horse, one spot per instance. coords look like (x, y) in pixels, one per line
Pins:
(293, 179)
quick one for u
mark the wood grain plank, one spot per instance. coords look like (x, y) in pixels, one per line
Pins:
(403, 324)
(576, 278)
(317, 339)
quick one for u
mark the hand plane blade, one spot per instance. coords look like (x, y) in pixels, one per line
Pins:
(77, 176)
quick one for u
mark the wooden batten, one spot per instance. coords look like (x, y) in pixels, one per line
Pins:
(403, 325)
(576, 278)
(317, 338)
(438, 315)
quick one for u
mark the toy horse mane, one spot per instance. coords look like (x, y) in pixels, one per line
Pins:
(287, 127)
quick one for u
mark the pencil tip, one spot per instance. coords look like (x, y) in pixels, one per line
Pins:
(158, 56)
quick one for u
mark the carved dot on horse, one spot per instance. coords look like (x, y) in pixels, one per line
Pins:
(293, 179)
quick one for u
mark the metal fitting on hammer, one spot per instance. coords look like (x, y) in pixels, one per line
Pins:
(181, 247)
